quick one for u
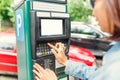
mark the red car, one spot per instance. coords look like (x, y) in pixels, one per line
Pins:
(8, 55)
(80, 54)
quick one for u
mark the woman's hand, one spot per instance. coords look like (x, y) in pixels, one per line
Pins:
(59, 51)
(43, 74)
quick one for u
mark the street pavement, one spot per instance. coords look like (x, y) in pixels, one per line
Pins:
(15, 78)
(4, 77)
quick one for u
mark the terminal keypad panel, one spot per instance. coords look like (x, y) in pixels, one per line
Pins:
(46, 62)
(42, 49)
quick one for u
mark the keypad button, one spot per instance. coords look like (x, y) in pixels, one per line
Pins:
(44, 49)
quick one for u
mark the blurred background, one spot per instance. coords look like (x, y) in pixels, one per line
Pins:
(6, 15)
(79, 11)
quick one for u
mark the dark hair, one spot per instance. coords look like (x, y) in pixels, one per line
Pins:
(113, 9)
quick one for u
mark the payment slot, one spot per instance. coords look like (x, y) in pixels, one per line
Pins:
(59, 70)
(48, 27)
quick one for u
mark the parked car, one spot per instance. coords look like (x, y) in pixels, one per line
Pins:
(79, 54)
(8, 56)
(89, 36)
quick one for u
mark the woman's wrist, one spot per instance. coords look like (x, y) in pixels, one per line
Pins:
(65, 62)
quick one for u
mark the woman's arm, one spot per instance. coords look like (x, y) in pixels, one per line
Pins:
(79, 70)
(75, 69)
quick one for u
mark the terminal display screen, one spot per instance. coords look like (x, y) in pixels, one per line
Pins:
(51, 27)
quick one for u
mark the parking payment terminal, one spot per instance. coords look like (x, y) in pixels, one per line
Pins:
(52, 29)
(37, 23)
